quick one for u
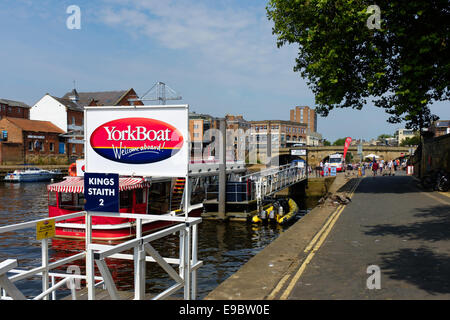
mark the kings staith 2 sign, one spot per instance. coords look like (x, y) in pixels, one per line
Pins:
(141, 140)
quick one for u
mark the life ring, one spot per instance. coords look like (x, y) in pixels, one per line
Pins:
(73, 170)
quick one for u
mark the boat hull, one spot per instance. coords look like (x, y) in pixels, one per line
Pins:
(113, 232)
(13, 177)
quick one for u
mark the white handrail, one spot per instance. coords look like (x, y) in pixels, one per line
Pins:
(97, 253)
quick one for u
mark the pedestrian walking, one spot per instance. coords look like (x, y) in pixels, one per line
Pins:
(318, 169)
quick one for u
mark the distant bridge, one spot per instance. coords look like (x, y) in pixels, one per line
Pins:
(317, 154)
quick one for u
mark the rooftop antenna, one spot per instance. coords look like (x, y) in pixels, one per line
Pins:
(159, 92)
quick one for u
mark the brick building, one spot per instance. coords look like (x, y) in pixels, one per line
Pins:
(440, 127)
(284, 133)
(199, 124)
(15, 109)
(306, 115)
(30, 141)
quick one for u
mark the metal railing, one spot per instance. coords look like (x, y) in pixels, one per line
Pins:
(95, 254)
(43, 271)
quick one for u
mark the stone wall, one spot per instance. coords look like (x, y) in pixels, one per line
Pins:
(435, 154)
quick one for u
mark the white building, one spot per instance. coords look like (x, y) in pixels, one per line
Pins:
(402, 134)
(313, 138)
(66, 114)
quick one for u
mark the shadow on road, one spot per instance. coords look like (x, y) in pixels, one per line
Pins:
(435, 229)
(422, 267)
(388, 184)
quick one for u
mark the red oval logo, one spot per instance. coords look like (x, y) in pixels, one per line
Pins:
(136, 140)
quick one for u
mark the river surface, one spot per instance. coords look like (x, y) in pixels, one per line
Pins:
(222, 246)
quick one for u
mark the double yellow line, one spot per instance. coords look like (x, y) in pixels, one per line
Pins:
(312, 248)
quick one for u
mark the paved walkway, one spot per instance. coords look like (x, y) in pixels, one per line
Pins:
(393, 225)
(390, 224)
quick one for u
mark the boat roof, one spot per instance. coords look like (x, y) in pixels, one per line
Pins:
(76, 184)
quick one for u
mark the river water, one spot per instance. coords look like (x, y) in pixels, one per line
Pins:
(222, 246)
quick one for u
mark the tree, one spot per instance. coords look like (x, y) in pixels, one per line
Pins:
(403, 66)
(339, 142)
(413, 141)
(384, 136)
(326, 142)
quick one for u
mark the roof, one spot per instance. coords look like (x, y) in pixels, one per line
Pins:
(104, 98)
(34, 125)
(13, 103)
(443, 123)
(72, 105)
(288, 122)
(76, 184)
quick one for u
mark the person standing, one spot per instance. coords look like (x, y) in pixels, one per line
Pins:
(374, 168)
(318, 169)
(326, 169)
(390, 165)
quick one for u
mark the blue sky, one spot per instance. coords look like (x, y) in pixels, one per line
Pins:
(219, 55)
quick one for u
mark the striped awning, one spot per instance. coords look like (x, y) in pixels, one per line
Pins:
(76, 184)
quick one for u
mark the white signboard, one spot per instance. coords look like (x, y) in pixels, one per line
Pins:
(298, 152)
(137, 140)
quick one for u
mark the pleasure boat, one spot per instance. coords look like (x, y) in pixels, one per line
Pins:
(31, 175)
(137, 196)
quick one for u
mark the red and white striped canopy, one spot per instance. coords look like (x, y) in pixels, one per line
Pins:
(76, 184)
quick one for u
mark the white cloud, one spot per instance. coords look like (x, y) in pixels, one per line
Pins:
(229, 37)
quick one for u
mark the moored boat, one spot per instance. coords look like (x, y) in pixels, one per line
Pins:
(281, 211)
(31, 175)
(137, 196)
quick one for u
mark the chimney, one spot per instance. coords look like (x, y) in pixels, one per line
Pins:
(74, 96)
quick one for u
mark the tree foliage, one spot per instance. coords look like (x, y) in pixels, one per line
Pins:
(339, 142)
(403, 67)
(412, 141)
(384, 136)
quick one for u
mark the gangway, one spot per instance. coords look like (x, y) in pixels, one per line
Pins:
(270, 181)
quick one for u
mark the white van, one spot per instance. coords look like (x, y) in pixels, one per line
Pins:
(337, 160)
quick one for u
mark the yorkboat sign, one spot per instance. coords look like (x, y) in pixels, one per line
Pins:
(141, 140)
(136, 140)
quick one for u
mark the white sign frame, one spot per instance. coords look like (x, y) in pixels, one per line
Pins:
(175, 115)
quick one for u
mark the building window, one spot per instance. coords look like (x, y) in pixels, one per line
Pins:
(73, 120)
(30, 145)
(74, 150)
(52, 146)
